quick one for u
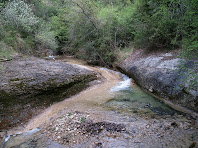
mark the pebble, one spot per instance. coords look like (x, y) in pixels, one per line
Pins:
(56, 129)
(147, 126)
(72, 116)
(123, 129)
(153, 128)
(102, 127)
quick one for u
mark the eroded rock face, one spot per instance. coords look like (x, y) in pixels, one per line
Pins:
(27, 86)
(165, 75)
(33, 76)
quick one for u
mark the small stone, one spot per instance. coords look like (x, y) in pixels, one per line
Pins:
(174, 124)
(102, 127)
(72, 116)
(147, 126)
(98, 144)
(123, 129)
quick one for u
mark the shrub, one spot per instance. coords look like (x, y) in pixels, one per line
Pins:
(19, 14)
(189, 30)
(166, 24)
(46, 37)
(6, 52)
(60, 26)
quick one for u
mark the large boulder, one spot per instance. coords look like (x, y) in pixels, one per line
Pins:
(165, 75)
(28, 85)
(31, 76)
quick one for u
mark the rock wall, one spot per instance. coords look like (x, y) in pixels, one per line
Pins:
(165, 75)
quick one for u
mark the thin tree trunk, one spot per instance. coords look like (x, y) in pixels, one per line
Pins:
(86, 15)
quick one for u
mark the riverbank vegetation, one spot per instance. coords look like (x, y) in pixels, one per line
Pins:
(98, 30)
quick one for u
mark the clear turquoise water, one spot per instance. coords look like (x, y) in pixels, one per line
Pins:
(133, 99)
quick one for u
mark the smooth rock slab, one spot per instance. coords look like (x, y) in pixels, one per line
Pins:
(165, 75)
(33, 75)
(29, 85)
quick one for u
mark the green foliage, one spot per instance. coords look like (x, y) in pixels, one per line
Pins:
(60, 25)
(91, 30)
(20, 20)
(166, 24)
(46, 37)
(82, 119)
(189, 29)
(19, 14)
(97, 30)
(6, 52)
(153, 26)
(2, 4)
(69, 114)
(44, 10)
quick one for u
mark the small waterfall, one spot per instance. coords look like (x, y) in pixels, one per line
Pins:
(123, 85)
(51, 54)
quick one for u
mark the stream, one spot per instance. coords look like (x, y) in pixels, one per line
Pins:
(115, 113)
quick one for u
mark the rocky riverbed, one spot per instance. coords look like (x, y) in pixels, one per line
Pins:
(79, 129)
(114, 113)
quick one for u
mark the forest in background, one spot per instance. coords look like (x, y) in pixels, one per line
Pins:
(98, 30)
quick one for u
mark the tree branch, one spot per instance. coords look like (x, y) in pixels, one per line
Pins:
(85, 14)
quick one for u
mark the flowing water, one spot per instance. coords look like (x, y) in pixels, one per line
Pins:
(128, 97)
(117, 100)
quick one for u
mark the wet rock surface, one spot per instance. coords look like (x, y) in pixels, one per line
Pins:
(165, 75)
(28, 85)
